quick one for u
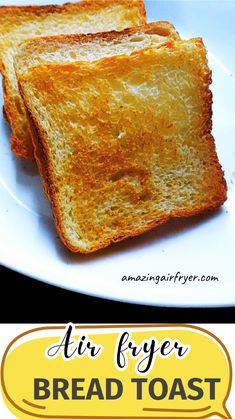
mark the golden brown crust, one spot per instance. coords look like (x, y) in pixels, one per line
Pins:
(39, 155)
(84, 4)
(5, 114)
(14, 16)
(164, 29)
(4, 108)
(118, 66)
(5, 98)
(161, 28)
(135, 232)
(43, 163)
(20, 149)
(17, 13)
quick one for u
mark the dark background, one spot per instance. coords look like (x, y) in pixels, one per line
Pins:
(25, 300)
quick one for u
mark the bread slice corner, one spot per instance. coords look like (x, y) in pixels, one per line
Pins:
(125, 141)
(19, 23)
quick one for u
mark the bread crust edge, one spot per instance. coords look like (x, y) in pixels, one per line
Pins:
(84, 4)
(221, 194)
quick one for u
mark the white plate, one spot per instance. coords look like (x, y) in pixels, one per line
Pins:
(198, 246)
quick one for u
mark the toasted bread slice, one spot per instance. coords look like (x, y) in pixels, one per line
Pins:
(125, 141)
(20, 23)
(69, 48)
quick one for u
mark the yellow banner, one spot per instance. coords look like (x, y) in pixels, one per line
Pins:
(116, 372)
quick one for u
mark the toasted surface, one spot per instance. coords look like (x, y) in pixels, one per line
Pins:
(20, 23)
(125, 141)
(69, 48)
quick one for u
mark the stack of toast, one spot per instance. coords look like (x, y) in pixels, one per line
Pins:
(117, 114)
